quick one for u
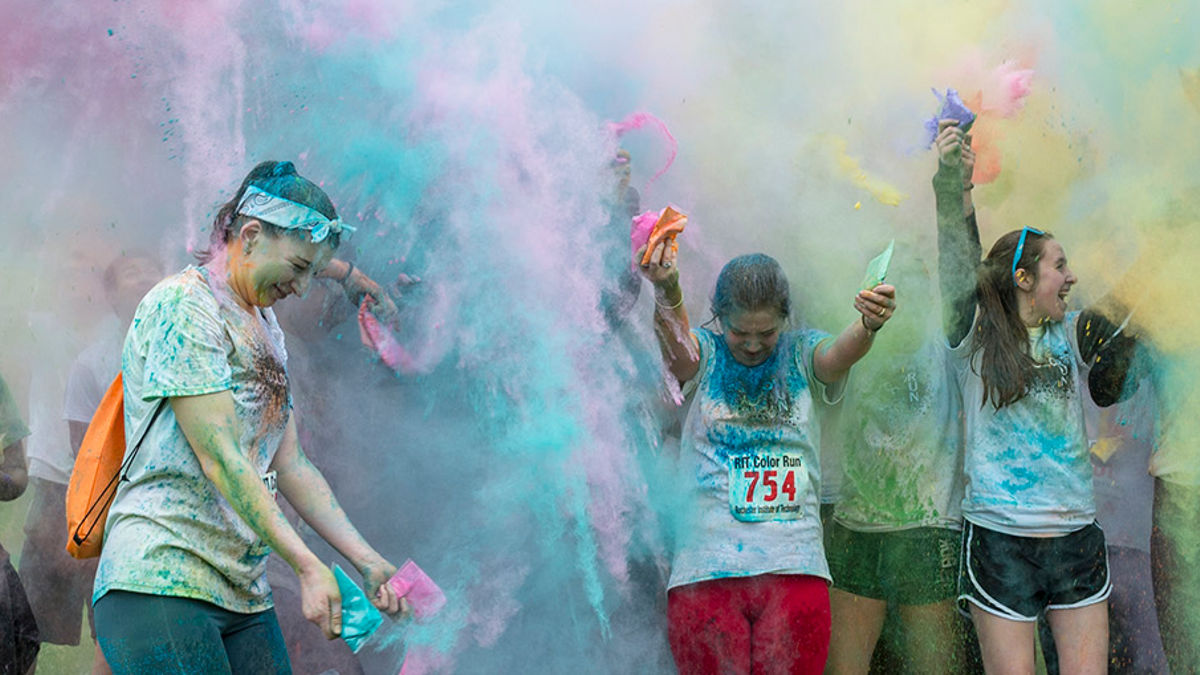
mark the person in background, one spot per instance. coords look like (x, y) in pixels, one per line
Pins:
(893, 541)
(19, 642)
(1124, 488)
(1175, 538)
(621, 284)
(59, 586)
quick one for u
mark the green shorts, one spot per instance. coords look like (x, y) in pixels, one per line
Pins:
(908, 567)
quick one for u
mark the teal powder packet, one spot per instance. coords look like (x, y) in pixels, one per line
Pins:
(360, 619)
(878, 267)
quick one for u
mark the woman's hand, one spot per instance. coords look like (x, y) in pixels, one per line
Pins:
(320, 599)
(950, 142)
(661, 270)
(358, 286)
(876, 306)
(375, 574)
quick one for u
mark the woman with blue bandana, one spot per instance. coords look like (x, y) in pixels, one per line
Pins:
(181, 583)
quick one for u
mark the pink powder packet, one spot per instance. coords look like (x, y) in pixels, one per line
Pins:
(423, 595)
(641, 227)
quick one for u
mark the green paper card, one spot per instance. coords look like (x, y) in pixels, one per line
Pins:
(878, 267)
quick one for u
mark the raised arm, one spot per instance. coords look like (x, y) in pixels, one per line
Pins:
(309, 493)
(211, 427)
(833, 358)
(680, 349)
(358, 285)
(959, 250)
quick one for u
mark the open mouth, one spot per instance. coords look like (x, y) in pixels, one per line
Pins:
(1062, 296)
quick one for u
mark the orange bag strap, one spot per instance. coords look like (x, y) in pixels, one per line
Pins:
(110, 490)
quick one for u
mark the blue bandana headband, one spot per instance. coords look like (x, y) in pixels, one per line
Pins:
(289, 215)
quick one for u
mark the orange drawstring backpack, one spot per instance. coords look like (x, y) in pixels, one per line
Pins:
(99, 467)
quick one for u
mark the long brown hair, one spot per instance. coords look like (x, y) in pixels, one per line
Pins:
(1006, 365)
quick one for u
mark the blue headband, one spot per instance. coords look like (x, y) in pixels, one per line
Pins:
(1021, 247)
(285, 213)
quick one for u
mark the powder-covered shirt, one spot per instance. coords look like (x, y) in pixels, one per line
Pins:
(1027, 466)
(901, 439)
(12, 427)
(757, 426)
(170, 531)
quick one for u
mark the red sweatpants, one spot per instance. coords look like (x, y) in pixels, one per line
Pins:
(771, 623)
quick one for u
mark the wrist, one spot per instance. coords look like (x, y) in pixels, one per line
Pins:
(867, 327)
(349, 271)
(307, 563)
(369, 560)
(668, 287)
(948, 178)
(668, 296)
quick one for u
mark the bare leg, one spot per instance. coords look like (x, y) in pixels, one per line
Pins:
(856, 625)
(1081, 637)
(1007, 645)
(930, 642)
(99, 665)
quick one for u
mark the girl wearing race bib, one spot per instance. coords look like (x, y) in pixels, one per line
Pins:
(181, 582)
(1030, 542)
(748, 590)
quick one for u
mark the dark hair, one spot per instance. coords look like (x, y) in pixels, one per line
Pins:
(751, 282)
(1006, 365)
(281, 180)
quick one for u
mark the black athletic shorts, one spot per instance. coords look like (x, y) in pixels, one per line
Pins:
(1016, 578)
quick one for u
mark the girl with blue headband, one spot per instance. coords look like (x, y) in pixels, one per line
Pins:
(181, 583)
(1022, 363)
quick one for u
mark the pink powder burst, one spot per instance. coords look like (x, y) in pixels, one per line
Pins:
(638, 120)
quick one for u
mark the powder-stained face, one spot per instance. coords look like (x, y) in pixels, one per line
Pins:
(276, 267)
(751, 335)
(1054, 282)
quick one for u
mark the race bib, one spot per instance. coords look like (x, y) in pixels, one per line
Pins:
(767, 485)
